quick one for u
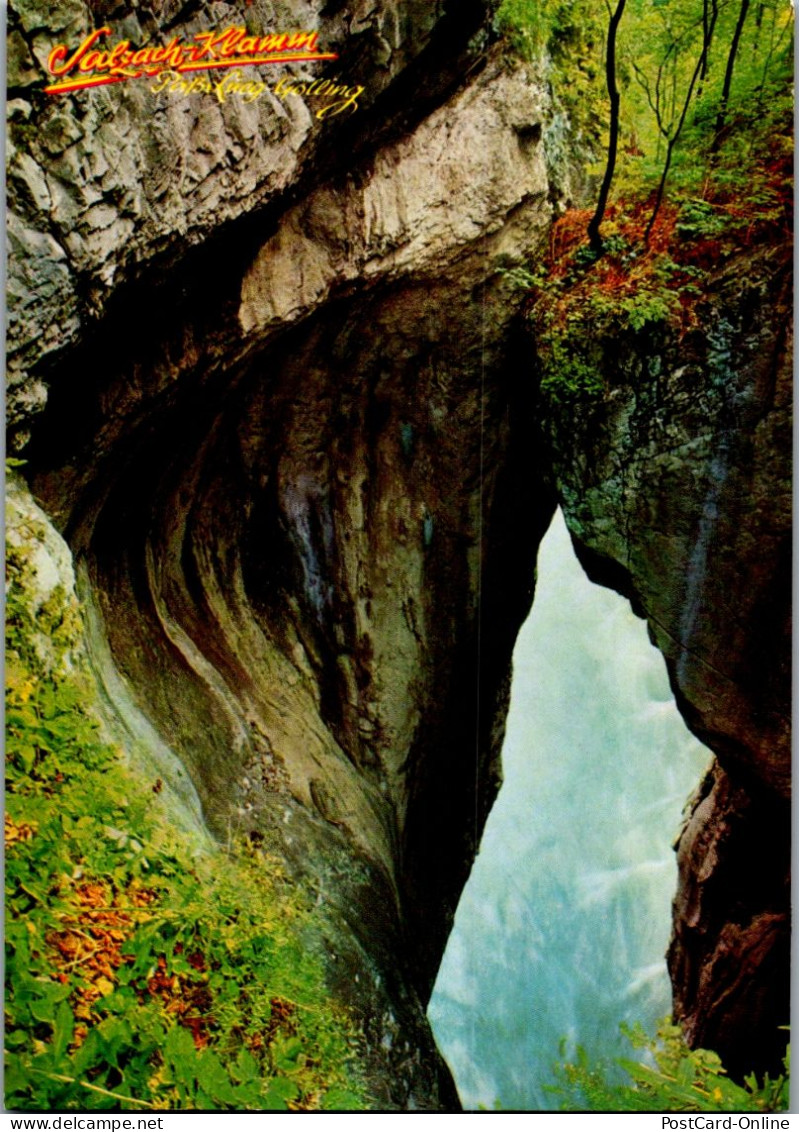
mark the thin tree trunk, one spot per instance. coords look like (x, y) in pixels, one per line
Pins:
(772, 47)
(725, 93)
(758, 26)
(594, 236)
(707, 25)
(705, 42)
(675, 136)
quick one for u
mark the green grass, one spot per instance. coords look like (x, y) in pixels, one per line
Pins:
(143, 971)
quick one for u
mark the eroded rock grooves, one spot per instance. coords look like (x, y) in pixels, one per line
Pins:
(292, 440)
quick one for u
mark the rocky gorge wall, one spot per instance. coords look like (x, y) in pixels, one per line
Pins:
(676, 487)
(268, 377)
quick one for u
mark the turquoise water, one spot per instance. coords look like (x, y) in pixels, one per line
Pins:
(563, 926)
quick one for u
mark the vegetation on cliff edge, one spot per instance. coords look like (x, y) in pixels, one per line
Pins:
(703, 170)
(683, 110)
(142, 972)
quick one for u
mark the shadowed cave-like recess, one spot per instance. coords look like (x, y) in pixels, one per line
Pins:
(286, 570)
(302, 465)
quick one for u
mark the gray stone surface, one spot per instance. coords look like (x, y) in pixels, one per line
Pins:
(676, 486)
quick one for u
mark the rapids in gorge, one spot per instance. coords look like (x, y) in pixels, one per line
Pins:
(562, 929)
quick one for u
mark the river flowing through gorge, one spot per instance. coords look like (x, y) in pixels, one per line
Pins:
(563, 926)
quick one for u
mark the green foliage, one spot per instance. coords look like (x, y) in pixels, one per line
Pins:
(670, 1078)
(523, 24)
(572, 369)
(659, 51)
(567, 35)
(618, 295)
(141, 972)
(587, 309)
(700, 219)
(44, 716)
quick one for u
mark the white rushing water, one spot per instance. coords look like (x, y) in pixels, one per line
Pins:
(563, 926)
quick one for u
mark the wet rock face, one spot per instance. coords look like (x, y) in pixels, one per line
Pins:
(285, 462)
(729, 957)
(676, 486)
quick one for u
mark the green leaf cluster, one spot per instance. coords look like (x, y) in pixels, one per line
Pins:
(669, 1077)
(660, 46)
(565, 38)
(706, 139)
(593, 302)
(143, 972)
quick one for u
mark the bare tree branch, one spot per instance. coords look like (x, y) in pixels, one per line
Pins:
(613, 139)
